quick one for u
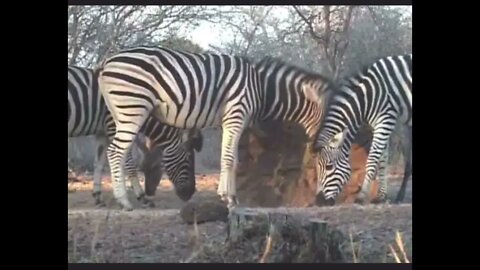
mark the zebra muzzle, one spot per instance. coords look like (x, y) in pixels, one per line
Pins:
(321, 201)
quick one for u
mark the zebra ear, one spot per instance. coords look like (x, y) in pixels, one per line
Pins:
(337, 140)
(311, 92)
(193, 138)
(196, 138)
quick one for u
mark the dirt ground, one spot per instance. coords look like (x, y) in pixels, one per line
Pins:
(159, 234)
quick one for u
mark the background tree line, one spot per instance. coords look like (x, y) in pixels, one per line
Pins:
(334, 40)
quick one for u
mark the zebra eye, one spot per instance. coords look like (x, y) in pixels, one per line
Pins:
(329, 167)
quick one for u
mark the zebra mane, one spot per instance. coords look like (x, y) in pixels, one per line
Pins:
(245, 58)
(349, 80)
(272, 60)
(79, 67)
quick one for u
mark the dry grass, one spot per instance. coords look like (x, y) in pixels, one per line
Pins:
(355, 251)
(194, 241)
(159, 234)
(356, 247)
(269, 243)
(401, 247)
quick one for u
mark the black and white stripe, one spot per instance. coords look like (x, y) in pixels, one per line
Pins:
(381, 96)
(89, 115)
(189, 90)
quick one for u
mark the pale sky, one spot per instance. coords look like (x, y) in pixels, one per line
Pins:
(213, 34)
(206, 34)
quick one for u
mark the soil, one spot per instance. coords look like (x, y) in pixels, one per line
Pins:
(160, 235)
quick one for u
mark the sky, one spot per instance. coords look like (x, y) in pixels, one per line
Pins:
(205, 34)
(213, 34)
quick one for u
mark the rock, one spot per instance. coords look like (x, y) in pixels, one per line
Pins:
(205, 210)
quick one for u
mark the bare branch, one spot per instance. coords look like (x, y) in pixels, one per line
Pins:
(251, 35)
(309, 25)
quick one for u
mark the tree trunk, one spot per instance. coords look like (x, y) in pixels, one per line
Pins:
(276, 168)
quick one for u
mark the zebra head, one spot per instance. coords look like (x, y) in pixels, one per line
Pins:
(179, 160)
(333, 170)
(152, 168)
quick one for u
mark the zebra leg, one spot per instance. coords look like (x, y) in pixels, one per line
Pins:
(131, 168)
(232, 130)
(381, 136)
(117, 152)
(382, 193)
(100, 159)
(407, 156)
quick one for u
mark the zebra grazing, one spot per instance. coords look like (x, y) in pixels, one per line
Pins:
(192, 90)
(380, 96)
(89, 115)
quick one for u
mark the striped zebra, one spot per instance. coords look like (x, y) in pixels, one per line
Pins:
(192, 90)
(89, 115)
(380, 96)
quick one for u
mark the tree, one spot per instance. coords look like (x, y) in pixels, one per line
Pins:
(96, 31)
(329, 26)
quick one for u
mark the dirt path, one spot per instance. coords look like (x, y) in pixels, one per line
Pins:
(159, 234)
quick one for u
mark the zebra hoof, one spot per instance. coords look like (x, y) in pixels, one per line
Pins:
(398, 200)
(146, 203)
(231, 208)
(100, 204)
(358, 201)
(361, 200)
(379, 200)
(98, 200)
(127, 208)
(232, 201)
(223, 198)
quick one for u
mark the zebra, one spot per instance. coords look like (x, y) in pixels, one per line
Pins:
(89, 115)
(380, 96)
(197, 90)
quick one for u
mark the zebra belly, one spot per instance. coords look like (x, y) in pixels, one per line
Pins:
(186, 117)
(82, 133)
(82, 130)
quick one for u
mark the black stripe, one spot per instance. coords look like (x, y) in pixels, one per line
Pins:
(132, 106)
(126, 132)
(212, 108)
(134, 95)
(75, 93)
(147, 67)
(130, 114)
(151, 69)
(402, 91)
(90, 91)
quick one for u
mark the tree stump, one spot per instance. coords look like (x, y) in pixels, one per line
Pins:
(247, 223)
(325, 242)
(280, 237)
